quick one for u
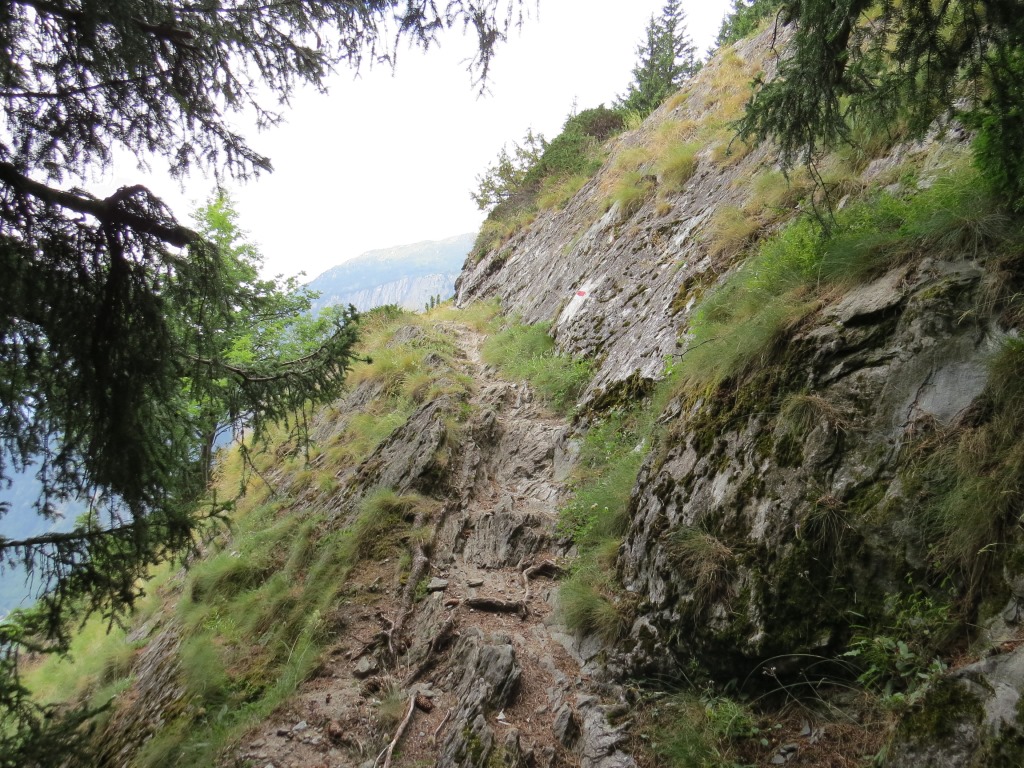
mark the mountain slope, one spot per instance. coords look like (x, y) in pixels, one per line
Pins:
(782, 499)
(405, 275)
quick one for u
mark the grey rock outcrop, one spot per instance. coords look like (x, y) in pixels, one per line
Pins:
(485, 678)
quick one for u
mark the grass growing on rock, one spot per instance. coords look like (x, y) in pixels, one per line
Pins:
(527, 353)
(686, 730)
(611, 453)
(968, 480)
(738, 326)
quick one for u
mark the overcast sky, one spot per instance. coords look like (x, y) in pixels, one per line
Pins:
(389, 158)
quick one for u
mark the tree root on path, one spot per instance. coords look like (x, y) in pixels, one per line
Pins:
(388, 751)
(420, 564)
(521, 606)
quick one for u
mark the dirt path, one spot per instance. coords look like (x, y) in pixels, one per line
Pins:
(493, 679)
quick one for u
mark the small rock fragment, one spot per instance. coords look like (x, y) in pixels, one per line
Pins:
(437, 585)
(367, 666)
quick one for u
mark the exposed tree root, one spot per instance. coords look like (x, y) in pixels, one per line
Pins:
(437, 731)
(495, 605)
(420, 564)
(388, 751)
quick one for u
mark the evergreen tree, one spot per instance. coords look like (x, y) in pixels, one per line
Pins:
(667, 58)
(878, 62)
(743, 19)
(125, 336)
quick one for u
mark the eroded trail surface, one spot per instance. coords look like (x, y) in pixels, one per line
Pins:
(462, 655)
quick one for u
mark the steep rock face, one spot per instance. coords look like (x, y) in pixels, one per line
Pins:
(774, 514)
(792, 503)
(618, 284)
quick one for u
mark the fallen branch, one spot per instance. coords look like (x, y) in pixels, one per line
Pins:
(495, 605)
(387, 752)
(433, 736)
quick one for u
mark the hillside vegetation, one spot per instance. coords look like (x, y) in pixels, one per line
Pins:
(760, 422)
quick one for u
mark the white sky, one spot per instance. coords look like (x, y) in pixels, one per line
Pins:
(389, 158)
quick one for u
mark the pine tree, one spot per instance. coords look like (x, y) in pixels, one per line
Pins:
(878, 63)
(743, 19)
(667, 58)
(114, 317)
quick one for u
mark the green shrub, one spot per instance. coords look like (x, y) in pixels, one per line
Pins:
(900, 653)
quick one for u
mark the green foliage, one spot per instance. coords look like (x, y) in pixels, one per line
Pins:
(740, 323)
(110, 310)
(538, 180)
(506, 176)
(685, 730)
(526, 352)
(586, 605)
(905, 63)
(611, 453)
(900, 655)
(743, 19)
(999, 121)
(667, 57)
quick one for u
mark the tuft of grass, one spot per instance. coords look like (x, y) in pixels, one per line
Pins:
(586, 606)
(477, 315)
(383, 516)
(631, 192)
(676, 166)
(557, 192)
(498, 229)
(774, 194)
(803, 411)
(685, 730)
(705, 560)
(731, 231)
(391, 705)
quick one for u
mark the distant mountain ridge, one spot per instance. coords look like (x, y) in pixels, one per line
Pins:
(407, 275)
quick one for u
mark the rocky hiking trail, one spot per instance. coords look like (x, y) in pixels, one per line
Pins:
(475, 669)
